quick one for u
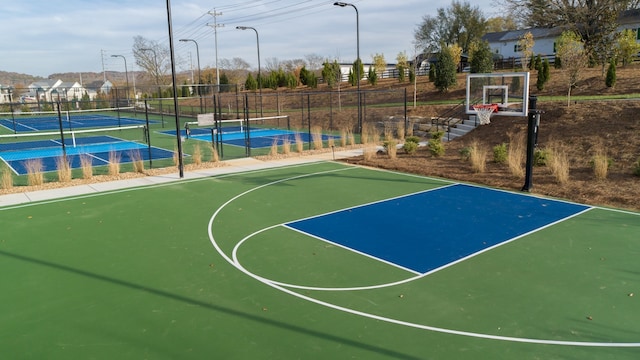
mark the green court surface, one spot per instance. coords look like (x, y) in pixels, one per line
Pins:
(204, 269)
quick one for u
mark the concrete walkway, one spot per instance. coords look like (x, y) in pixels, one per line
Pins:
(233, 166)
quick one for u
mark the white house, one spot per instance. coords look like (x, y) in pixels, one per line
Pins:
(5, 94)
(505, 43)
(54, 90)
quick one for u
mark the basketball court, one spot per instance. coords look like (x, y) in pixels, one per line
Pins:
(319, 260)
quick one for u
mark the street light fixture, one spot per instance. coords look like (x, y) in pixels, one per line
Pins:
(358, 75)
(199, 78)
(126, 74)
(258, 45)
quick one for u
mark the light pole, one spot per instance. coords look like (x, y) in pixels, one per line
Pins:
(155, 63)
(258, 45)
(199, 78)
(126, 74)
(358, 75)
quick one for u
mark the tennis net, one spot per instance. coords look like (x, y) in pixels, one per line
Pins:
(56, 143)
(19, 122)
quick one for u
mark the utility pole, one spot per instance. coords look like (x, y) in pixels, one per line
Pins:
(215, 27)
(104, 73)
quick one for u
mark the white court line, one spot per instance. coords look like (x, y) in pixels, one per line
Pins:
(382, 318)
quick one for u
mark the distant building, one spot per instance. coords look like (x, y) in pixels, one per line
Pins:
(5, 94)
(504, 44)
(57, 90)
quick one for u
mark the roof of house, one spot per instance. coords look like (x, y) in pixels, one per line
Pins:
(515, 35)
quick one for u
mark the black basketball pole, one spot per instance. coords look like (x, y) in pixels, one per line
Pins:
(532, 138)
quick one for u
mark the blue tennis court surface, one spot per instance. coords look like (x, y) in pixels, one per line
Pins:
(23, 123)
(453, 222)
(97, 148)
(258, 137)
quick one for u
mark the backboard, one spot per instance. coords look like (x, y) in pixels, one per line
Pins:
(507, 93)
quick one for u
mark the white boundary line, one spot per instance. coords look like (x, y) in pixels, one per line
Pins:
(381, 318)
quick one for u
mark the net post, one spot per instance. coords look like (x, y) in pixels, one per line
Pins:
(64, 150)
(148, 132)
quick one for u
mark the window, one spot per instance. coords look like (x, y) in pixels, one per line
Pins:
(517, 48)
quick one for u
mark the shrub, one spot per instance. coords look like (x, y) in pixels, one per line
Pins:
(478, 157)
(413, 139)
(517, 152)
(86, 163)
(540, 157)
(316, 137)
(6, 180)
(636, 167)
(34, 171)
(390, 147)
(465, 153)
(114, 162)
(64, 169)
(410, 147)
(196, 156)
(558, 161)
(500, 153)
(610, 80)
(601, 164)
(436, 146)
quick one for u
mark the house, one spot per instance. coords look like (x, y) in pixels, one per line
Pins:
(504, 44)
(56, 90)
(5, 94)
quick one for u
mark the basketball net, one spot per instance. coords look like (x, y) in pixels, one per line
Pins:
(484, 114)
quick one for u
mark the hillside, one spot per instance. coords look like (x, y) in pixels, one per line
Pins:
(582, 128)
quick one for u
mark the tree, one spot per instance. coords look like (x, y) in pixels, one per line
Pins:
(525, 45)
(152, 58)
(501, 23)
(610, 81)
(570, 49)
(459, 24)
(372, 76)
(627, 47)
(314, 61)
(481, 58)
(251, 83)
(331, 73)
(379, 63)
(357, 68)
(402, 64)
(445, 69)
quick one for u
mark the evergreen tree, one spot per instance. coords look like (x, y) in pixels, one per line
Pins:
(445, 76)
(372, 76)
(546, 70)
(610, 81)
(250, 83)
(482, 58)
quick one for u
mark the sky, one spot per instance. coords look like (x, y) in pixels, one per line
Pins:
(44, 37)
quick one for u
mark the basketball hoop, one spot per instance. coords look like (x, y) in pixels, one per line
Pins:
(484, 112)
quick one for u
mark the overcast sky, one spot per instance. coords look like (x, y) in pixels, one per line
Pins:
(42, 37)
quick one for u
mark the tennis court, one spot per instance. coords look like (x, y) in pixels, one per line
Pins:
(99, 149)
(252, 133)
(70, 120)
(319, 261)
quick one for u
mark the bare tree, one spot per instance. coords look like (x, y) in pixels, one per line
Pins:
(314, 61)
(272, 64)
(153, 58)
